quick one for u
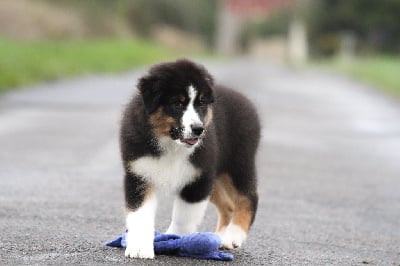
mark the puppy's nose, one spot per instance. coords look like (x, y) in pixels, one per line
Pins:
(197, 129)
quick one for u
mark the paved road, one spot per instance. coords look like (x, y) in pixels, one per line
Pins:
(328, 165)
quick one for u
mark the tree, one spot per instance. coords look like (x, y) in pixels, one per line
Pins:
(375, 23)
(193, 16)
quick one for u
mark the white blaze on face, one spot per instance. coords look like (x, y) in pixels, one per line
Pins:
(190, 116)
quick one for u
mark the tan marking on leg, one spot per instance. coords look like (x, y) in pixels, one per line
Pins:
(224, 204)
(161, 122)
(243, 214)
(231, 204)
(209, 115)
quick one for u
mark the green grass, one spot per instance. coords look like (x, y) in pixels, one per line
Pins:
(381, 71)
(26, 63)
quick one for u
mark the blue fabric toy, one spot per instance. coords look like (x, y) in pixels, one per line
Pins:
(202, 245)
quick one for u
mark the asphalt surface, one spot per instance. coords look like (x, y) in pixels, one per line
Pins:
(328, 167)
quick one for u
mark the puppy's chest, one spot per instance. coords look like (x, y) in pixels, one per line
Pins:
(169, 172)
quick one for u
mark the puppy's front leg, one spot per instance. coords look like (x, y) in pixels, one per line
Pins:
(189, 207)
(141, 207)
(186, 216)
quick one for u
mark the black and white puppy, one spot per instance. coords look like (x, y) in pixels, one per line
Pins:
(183, 135)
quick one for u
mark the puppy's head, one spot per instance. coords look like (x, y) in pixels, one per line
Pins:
(178, 97)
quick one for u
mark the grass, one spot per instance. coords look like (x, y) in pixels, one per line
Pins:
(26, 63)
(381, 71)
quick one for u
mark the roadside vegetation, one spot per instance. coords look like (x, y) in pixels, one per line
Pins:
(46, 40)
(26, 63)
(380, 71)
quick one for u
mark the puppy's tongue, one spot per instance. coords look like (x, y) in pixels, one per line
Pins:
(189, 141)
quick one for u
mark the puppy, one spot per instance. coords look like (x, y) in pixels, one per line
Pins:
(183, 135)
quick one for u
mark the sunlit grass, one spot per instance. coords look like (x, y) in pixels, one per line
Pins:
(25, 63)
(381, 71)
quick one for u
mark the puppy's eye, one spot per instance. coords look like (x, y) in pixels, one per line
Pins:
(202, 103)
(178, 105)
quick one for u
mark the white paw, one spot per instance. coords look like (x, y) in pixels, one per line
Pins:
(232, 237)
(172, 230)
(140, 251)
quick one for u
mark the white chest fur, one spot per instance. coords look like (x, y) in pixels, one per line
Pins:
(169, 172)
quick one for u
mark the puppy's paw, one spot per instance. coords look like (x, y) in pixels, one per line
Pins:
(233, 237)
(140, 251)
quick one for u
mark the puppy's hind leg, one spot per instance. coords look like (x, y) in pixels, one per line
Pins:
(236, 232)
(236, 212)
(224, 204)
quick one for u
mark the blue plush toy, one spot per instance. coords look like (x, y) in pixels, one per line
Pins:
(197, 245)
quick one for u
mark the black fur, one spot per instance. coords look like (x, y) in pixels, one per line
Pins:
(230, 142)
(166, 81)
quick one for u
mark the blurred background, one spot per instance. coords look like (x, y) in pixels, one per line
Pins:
(50, 39)
(330, 149)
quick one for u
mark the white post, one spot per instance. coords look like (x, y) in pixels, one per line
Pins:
(347, 46)
(297, 41)
(228, 30)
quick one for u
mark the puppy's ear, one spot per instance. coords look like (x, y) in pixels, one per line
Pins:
(209, 80)
(150, 90)
(210, 83)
